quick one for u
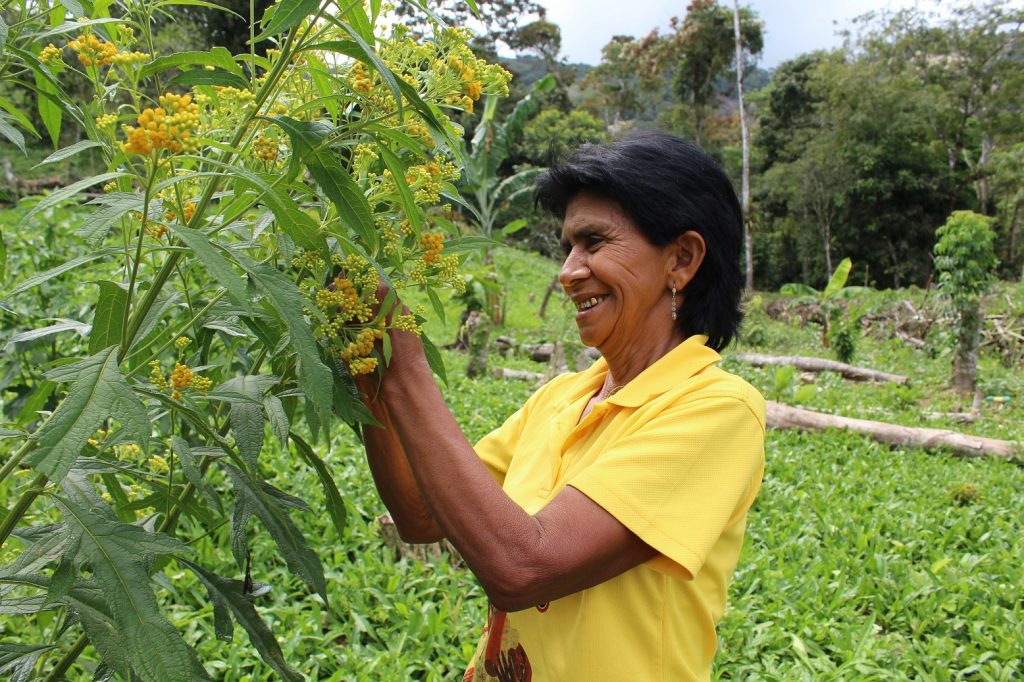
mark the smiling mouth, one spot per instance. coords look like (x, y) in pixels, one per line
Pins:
(589, 303)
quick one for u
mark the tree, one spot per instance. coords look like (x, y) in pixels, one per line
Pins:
(499, 20)
(969, 63)
(965, 259)
(748, 246)
(551, 135)
(703, 49)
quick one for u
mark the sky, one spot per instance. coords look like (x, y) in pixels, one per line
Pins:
(792, 27)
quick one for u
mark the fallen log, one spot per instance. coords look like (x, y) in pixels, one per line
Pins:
(786, 417)
(809, 364)
(521, 374)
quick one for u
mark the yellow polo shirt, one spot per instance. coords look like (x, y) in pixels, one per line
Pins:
(677, 457)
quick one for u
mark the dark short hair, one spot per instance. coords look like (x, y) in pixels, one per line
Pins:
(668, 186)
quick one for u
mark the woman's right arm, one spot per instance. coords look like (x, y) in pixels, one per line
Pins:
(392, 475)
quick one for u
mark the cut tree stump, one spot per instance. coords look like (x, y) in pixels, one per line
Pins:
(786, 417)
(521, 374)
(809, 364)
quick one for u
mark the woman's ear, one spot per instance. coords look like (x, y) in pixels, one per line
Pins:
(687, 253)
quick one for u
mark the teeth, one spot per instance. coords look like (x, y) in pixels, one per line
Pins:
(589, 303)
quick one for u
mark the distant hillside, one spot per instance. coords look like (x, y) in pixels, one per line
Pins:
(529, 69)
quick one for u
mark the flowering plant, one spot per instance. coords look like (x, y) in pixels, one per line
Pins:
(250, 205)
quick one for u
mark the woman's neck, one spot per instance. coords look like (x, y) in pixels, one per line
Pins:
(627, 364)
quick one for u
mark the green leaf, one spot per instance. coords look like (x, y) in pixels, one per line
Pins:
(335, 503)
(194, 77)
(287, 15)
(215, 263)
(798, 289)
(68, 151)
(276, 415)
(60, 327)
(513, 227)
(68, 192)
(20, 117)
(838, 279)
(308, 139)
(470, 242)
(99, 392)
(3, 34)
(12, 134)
(397, 168)
(292, 219)
(230, 595)
(217, 57)
(112, 207)
(434, 358)
(3, 257)
(18, 660)
(59, 270)
(49, 111)
(75, 26)
(192, 472)
(108, 320)
(289, 302)
(436, 304)
(119, 555)
(246, 416)
(300, 558)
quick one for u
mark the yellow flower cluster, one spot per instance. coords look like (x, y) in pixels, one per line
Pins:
(156, 230)
(265, 148)
(426, 179)
(229, 95)
(106, 122)
(92, 51)
(50, 53)
(345, 302)
(157, 464)
(128, 451)
(431, 243)
(357, 353)
(407, 323)
(421, 133)
(181, 378)
(308, 260)
(130, 58)
(357, 366)
(361, 80)
(170, 126)
(182, 342)
(190, 210)
(362, 345)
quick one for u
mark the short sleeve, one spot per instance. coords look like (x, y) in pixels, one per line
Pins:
(683, 475)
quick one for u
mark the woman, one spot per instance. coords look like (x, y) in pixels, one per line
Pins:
(605, 517)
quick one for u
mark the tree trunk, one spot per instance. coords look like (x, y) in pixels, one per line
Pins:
(478, 333)
(748, 246)
(547, 296)
(1015, 226)
(808, 364)
(968, 338)
(785, 417)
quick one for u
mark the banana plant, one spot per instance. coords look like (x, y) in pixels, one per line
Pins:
(828, 298)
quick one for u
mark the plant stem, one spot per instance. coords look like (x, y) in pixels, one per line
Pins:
(219, 295)
(16, 458)
(21, 506)
(66, 661)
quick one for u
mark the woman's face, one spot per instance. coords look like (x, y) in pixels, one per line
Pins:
(618, 280)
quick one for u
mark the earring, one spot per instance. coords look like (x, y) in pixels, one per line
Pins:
(673, 303)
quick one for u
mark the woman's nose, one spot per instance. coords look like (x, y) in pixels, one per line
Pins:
(574, 268)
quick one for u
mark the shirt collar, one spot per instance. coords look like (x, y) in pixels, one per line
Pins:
(670, 370)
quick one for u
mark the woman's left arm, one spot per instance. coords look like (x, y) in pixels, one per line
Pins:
(521, 560)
